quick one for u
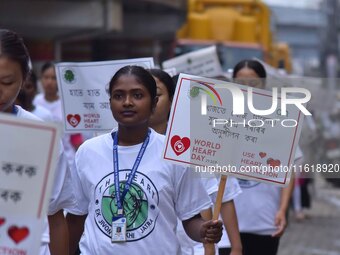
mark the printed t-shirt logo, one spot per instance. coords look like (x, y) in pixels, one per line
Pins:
(140, 205)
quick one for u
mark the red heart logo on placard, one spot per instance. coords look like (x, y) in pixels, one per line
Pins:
(180, 145)
(74, 120)
(18, 234)
(262, 154)
(273, 162)
(2, 221)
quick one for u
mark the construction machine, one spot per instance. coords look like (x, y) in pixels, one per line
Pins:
(240, 29)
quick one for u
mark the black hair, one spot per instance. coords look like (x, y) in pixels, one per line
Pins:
(23, 99)
(46, 66)
(255, 65)
(175, 79)
(142, 76)
(13, 47)
(33, 78)
(166, 79)
(221, 78)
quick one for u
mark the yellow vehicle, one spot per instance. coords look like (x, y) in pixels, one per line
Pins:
(240, 28)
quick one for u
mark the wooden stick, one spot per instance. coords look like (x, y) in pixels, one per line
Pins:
(218, 203)
(209, 247)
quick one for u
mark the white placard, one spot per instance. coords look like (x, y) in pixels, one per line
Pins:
(27, 164)
(170, 71)
(203, 62)
(84, 92)
(236, 144)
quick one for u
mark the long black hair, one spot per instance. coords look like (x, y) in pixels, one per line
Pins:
(13, 47)
(166, 79)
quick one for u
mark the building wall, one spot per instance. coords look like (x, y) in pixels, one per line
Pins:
(302, 29)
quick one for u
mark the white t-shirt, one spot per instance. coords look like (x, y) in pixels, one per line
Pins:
(190, 247)
(160, 192)
(55, 108)
(258, 204)
(42, 113)
(62, 195)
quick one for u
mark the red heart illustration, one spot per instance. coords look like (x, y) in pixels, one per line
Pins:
(2, 221)
(273, 162)
(74, 120)
(180, 145)
(18, 234)
(262, 154)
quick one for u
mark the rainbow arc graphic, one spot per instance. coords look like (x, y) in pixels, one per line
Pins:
(211, 92)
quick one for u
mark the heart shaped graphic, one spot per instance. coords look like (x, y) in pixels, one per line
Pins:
(18, 234)
(180, 145)
(2, 221)
(273, 162)
(74, 120)
(262, 154)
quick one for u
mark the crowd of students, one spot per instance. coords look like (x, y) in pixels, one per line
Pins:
(117, 182)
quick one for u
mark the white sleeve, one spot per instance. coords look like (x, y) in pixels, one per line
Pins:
(62, 195)
(210, 184)
(82, 200)
(232, 190)
(190, 195)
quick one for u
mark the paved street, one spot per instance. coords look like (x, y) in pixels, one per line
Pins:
(320, 233)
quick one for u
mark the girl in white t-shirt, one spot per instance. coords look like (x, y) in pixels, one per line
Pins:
(14, 69)
(159, 121)
(261, 208)
(51, 101)
(165, 94)
(228, 215)
(128, 197)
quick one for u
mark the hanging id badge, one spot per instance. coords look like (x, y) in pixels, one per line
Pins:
(118, 229)
(118, 226)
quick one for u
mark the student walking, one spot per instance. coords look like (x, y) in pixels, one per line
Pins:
(14, 70)
(51, 101)
(121, 181)
(261, 208)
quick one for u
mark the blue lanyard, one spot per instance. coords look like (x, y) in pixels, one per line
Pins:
(119, 198)
(15, 110)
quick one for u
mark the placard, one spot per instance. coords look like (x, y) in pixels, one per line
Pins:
(84, 92)
(249, 146)
(203, 62)
(27, 164)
